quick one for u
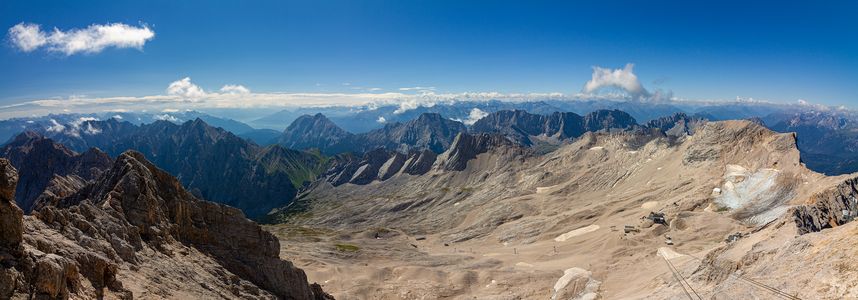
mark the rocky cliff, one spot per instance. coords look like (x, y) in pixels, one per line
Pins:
(42, 164)
(135, 232)
(831, 208)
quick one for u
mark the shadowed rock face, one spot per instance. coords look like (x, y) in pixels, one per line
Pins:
(318, 132)
(466, 147)
(678, 124)
(136, 221)
(212, 162)
(831, 208)
(11, 222)
(521, 125)
(43, 163)
(429, 131)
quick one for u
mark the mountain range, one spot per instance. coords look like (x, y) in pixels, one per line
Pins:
(212, 163)
(269, 177)
(131, 201)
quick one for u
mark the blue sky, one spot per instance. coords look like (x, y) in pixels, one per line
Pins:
(780, 51)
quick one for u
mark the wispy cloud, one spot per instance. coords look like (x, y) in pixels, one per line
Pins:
(417, 88)
(475, 115)
(29, 37)
(185, 94)
(235, 89)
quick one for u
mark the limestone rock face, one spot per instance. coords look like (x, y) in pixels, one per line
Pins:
(678, 124)
(419, 162)
(831, 208)
(136, 231)
(41, 162)
(522, 126)
(467, 147)
(11, 222)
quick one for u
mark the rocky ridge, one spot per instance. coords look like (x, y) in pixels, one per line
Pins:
(47, 166)
(135, 232)
(204, 157)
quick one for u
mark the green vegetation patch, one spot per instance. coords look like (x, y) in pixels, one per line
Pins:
(347, 248)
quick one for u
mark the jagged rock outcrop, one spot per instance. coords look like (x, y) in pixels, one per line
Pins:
(379, 164)
(391, 166)
(368, 167)
(42, 163)
(466, 147)
(11, 222)
(214, 163)
(419, 162)
(678, 124)
(834, 207)
(608, 119)
(521, 126)
(428, 131)
(136, 230)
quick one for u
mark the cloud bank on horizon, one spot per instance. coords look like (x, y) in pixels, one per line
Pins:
(29, 37)
(605, 84)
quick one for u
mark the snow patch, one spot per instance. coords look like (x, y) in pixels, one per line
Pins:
(576, 232)
(668, 253)
(579, 277)
(649, 205)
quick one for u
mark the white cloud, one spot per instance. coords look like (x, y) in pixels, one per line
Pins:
(76, 123)
(475, 115)
(418, 88)
(185, 89)
(169, 110)
(413, 103)
(166, 117)
(56, 126)
(27, 37)
(381, 120)
(91, 130)
(375, 89)
(235, 89)
(624, 79)
(117, 117)
(92, 39)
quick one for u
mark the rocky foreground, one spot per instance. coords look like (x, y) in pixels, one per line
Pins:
(134, 232)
